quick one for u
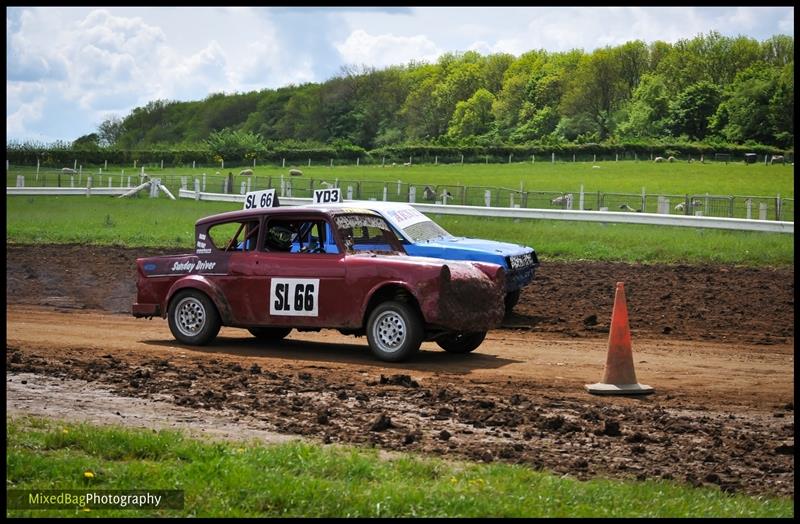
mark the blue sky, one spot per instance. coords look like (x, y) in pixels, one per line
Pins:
(67, 69)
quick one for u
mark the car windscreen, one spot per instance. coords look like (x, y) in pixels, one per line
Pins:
(367, 233)
(425, 231)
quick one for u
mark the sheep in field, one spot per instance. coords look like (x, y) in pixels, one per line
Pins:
(561, 200)
(246, 172)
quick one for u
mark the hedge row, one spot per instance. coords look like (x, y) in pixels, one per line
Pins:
(418, 153)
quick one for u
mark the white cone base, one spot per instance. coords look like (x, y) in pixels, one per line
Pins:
(619, 389)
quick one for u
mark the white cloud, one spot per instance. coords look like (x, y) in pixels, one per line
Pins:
(26, 102)
(386, 49)
(67, 68)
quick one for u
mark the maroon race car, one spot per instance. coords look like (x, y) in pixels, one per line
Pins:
(271, 270)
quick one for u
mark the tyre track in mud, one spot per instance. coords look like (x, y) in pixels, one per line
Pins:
(723, 413)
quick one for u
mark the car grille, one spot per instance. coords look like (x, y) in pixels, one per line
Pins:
(523, 261)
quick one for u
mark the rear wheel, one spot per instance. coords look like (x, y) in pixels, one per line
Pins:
(193, 318)
(394, 331)
(269, 334)
(512, 297)
(461, 342)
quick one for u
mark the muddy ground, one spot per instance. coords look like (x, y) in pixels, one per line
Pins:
(716, 342)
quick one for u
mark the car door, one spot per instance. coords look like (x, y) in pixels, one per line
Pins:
(298, 281)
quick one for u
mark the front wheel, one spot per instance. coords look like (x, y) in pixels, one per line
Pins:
(193, 318)
(394, 331)
(269, 334)
(461, 342)
(512, 297)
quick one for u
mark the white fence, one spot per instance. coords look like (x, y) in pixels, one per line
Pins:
(739, 224)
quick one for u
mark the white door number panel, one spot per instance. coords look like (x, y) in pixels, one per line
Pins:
(294, 297)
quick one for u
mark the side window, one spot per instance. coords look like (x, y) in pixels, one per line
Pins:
(299, 236)
(234, 236)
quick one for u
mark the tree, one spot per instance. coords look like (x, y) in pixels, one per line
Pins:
(690, 112)
(110, 130)
(87, 142)
(235, 145)
(648, 109)
(744, 113)
(473, 116)
(596, 90)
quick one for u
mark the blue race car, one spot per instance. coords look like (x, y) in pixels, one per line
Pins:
(423, 237)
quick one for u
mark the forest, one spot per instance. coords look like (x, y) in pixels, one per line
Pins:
(711, 89)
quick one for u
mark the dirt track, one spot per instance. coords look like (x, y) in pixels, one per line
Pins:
(723, 412)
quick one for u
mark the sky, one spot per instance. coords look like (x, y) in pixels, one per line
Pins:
(70, 68)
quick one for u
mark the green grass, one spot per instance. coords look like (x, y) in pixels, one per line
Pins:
(613, 177)
(236, 479)
(145, 222)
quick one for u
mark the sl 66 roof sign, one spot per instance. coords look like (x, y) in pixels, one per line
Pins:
(259, 199)
(327, 196)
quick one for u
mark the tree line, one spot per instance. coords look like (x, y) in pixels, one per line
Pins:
(710, 89)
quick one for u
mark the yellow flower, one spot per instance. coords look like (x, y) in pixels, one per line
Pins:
(88, 474)
(64, 431)
(86, 509)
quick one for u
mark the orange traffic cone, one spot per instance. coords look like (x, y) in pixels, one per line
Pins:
(619, 377)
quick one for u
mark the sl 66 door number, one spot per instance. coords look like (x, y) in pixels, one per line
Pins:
(296, 297)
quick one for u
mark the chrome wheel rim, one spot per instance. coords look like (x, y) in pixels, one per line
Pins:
(190, 316)
(389, 331)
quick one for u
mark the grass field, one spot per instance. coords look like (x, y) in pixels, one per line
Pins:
(682, 178)
(237, 479)
(145, 222)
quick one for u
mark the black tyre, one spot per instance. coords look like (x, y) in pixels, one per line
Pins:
(394, 331)
(512, 297)
(269, 334)
(461, 342)
(193, 318)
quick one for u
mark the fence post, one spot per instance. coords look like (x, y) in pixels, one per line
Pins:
(358, 161)
(553, 157)
(487, 198)
(37, 169)
(580, 199)
(573, 157)
(383, 161)
(89, 185)
(509, 160)
(749, 207)
(412, 194)
(778, 207)
(309, 162)
(193, 163)
(762, 211)
(204, 182)
(462, 159)
(349, 192)
(533, 159)
(644, 201)
(331, 162)
(436, 161)
(617, 158)
(244, 186)
(196, 188)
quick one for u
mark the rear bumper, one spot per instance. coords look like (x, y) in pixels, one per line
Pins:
(146, 310)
